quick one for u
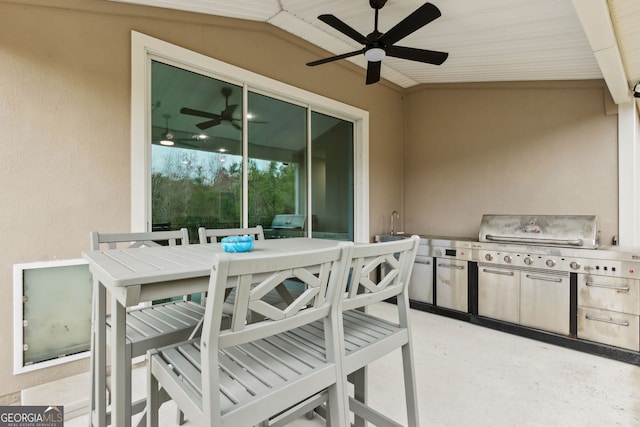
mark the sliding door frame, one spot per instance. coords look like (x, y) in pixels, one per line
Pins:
(145, 48)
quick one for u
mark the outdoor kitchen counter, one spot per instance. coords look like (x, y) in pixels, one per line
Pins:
(603, 286)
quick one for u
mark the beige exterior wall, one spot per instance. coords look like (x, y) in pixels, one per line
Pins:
(511, 148)
(65, 119)
(442, 156)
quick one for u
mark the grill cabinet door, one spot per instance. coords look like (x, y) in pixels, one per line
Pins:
(451, 284)
(544, 301)
(499, 293)
(421, 284)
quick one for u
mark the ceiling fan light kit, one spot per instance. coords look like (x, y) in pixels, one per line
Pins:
(375, 54)
(378, 45)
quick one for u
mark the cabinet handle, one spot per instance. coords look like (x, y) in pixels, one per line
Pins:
(607, 286)
(423, 262)
(504, 273)
(546, 279)
(607, 320)
(455, 267)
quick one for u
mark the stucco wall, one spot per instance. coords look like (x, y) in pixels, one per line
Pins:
(510, 148)
(65, 114)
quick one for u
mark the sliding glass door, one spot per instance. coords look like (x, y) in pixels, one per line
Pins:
(218, 163)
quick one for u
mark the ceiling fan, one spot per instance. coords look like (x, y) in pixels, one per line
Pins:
(216, 119)
(377, 45)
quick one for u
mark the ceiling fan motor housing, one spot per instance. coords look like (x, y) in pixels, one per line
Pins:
(377, 4)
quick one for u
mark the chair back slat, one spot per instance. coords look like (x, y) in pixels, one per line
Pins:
(379, 271)
(322, 271)
(139, 239)
(213, 235)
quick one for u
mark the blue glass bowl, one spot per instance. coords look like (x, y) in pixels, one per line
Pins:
(237, 243)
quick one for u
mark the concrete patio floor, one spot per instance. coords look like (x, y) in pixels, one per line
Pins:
(470, 375)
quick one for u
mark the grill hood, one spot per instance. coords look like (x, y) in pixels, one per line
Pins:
(570, 231)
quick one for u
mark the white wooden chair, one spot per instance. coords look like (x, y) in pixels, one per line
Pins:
(212, 235)
(379, 271)
(156, 325)
(248, 373)
(281, 295)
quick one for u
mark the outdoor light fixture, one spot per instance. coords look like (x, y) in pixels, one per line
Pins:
(375, 54)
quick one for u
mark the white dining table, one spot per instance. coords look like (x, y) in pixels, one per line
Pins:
(135, 275)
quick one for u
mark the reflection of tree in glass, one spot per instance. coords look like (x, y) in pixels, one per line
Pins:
(192, 191)
(271, 191)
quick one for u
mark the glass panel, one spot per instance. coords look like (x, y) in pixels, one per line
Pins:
(277, 166)
(57, 311)
(332, 186)
(196, 152)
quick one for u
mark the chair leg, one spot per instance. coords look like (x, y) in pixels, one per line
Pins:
(179, 417)
(410, 392)
(338, 404)
(153, 399)
(127, 383)
(359, 380)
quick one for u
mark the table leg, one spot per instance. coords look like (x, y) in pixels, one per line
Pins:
(120, 393)
(98, 413)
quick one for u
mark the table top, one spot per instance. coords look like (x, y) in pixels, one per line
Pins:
(146, 265)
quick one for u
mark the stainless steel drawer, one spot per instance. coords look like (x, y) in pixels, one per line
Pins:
(609, 327)
(609, 293)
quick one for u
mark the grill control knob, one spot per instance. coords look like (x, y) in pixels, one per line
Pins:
(528, 261)
(488, 257)
(507, 259)
(575, 265)
(551, 263)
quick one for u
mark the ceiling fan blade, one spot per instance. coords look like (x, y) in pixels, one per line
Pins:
(208, 124)
(192, 112)
(373, 72)
(422, 55)
(418, 19)
(335, 58)
(345, 29)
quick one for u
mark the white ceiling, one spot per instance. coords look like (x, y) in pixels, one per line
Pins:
(487, 40)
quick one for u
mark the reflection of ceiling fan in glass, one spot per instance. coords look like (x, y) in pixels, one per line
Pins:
(216, 119)
(170, 137)
(167, 137)
(195, 141)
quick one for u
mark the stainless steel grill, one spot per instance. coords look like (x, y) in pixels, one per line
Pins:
(287, 225)
(530, 265)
